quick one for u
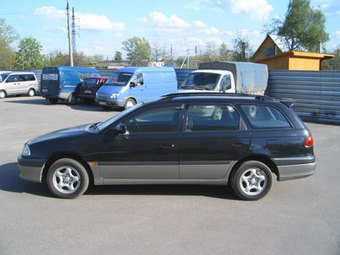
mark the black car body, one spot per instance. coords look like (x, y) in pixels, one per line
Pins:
(198, 138)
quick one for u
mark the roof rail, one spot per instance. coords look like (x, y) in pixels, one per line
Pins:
(221, 94)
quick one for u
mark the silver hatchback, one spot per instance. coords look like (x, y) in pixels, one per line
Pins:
(18, 83)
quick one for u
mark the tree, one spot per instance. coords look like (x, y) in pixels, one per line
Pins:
(57, 58)
(224, 53)
(333, 63)
(7, 37)
(29, 56)
(242, 50)
(211, 52)
(138, 50)
(302, 28)
(118, 56)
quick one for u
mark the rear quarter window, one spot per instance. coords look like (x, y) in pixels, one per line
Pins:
(262, 116)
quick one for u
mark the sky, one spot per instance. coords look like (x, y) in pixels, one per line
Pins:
(102, 25)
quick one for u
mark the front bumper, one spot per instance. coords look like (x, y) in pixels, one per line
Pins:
(295, 168)
(110, 102)
(30, 169)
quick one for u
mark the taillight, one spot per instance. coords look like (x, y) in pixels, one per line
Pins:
(59, 85)
(309, 142)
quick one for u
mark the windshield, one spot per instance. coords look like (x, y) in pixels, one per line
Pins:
(3, 76)
(201, 81)
(118, 79)
(120, 115)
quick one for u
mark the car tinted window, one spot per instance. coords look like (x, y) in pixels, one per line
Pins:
(162, 119)
(212, 118)
(15, 78)
(261, 116)
(91, 82)
(29, 77)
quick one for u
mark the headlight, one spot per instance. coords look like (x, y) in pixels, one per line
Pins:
(114, 95)
(26, 151)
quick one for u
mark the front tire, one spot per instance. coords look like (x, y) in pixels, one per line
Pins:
(252, 180)
(67, 178)
(129, 103)
(2, 94)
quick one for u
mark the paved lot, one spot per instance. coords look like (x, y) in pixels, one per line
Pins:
(296, 217)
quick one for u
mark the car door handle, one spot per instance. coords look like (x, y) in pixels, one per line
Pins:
(167, 146)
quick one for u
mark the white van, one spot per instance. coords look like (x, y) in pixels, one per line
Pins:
(18, 83)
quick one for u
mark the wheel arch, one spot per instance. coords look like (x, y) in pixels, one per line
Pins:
(131, 97)
(4, 92)
(73, 156)
(261, 158)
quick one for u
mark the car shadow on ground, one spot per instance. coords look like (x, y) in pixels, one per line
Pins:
(80, 106)
(10, 181)
(221, 192)
(35, 100)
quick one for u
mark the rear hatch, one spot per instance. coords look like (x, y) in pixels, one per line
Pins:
(50, 82)
(89, 87)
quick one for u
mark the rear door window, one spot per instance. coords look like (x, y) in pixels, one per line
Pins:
(212, 118)
(261, 116)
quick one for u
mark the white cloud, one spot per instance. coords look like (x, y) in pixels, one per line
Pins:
(50, 12)
(257, 10)
(87, 21)
(211, 5)
(165, 24)
(337, 34)
(250, 33)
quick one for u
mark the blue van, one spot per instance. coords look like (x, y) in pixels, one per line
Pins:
(61, 82)
(132, 85)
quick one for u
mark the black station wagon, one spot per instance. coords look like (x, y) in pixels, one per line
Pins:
(188, 138)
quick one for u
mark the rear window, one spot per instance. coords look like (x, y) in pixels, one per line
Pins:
(29, 77)
(261, 116)
(91, 82)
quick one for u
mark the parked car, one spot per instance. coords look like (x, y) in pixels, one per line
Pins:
(61, 82)
(201, 138)
(88, 89)
(132, 85)
(18, 83)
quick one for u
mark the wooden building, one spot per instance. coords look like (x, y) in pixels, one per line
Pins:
(270, 52)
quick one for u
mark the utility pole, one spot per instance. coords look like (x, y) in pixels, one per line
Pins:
(69, 35)
(73, 31)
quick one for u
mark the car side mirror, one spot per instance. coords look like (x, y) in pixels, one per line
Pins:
(120, 129)
(132, 84)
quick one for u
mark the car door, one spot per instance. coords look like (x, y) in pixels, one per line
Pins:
(147, 150)
(137, 87)
(214, 137)
(14, 84)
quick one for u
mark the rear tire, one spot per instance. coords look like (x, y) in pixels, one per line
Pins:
(252, 180)
(31, 92)
(53, 100)
(72, 99)
(2, 94)
(67, 178)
